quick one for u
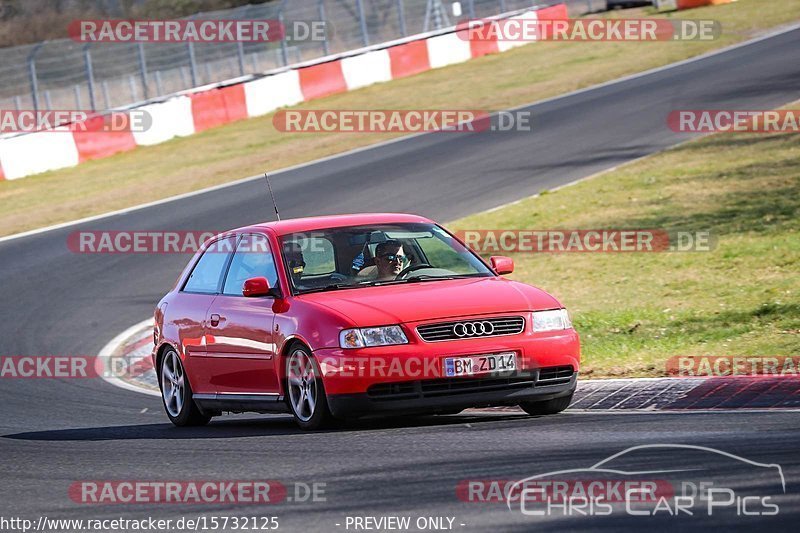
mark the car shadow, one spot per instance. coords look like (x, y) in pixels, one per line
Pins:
(267, 425)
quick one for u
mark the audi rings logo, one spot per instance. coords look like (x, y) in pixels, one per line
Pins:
(473, 329)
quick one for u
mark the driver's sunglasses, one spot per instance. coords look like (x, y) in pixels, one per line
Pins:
(394, 257)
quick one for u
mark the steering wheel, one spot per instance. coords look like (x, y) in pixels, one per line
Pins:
(412, 268)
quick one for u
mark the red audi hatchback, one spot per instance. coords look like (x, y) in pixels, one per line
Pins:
(346, 316)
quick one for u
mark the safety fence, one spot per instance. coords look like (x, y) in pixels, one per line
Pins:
(67, 74)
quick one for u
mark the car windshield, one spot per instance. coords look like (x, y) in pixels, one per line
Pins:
(361, 256)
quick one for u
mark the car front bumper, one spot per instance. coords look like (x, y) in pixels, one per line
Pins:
(355, 371)
(452, 394)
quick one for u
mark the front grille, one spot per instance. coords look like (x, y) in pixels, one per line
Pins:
(430, 388)
(471, 329)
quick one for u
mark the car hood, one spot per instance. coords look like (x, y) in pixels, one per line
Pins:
(432, 300)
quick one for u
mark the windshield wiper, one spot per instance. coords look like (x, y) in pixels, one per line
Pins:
(331, 287)
(416, 279)
(428, 277)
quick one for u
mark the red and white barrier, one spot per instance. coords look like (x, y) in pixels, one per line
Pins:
(366, 69)
(324, 79)
(195, 111)
(409, 59)
(448, 49)
(171, 118)
(94, 143)
(556, 12)
(218, 106)
(38, 152)
(479, 48)
(269, 93)
(671, 5)
(507, 44)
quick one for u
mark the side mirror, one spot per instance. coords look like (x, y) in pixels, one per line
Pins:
(502, 264)
(256, 287)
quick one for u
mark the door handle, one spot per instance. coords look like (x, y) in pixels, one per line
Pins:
(215, 318)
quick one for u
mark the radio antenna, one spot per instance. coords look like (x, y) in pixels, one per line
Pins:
(269, 185)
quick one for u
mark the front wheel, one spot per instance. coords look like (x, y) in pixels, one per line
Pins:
(547, 407)
(306, 393)
(177, 393)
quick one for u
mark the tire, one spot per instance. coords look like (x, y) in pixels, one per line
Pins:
(547, 407)
(305, 392)
(176, 393)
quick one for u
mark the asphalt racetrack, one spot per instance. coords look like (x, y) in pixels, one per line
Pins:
(55, 432)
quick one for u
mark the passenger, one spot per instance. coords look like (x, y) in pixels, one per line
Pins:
(293, 253)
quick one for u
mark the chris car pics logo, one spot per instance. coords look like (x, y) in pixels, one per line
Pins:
(654, 480)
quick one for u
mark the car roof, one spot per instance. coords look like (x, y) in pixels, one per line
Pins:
(295, 225)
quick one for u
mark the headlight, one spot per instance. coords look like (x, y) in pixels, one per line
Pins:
(551, 320)
(364, 337)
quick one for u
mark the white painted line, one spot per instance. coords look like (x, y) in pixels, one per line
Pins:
(571, 411)
(399, 139)
(604, 398)
(650, 399)
(109, 349)
(742, 410)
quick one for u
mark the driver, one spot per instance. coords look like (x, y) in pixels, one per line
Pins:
(389, 260)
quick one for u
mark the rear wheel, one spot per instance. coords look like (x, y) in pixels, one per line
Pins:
(177, 393)
(305, 390)
(547, 407)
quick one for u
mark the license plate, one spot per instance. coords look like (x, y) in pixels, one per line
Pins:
(479, 364)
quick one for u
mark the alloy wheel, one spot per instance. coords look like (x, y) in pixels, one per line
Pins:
(173, 389)
(303, 393)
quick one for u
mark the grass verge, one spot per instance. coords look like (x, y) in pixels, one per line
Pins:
(252, 146)
(635, 310)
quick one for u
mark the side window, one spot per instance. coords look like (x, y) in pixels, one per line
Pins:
(318, 255)
(252, 259)
(207, 273)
